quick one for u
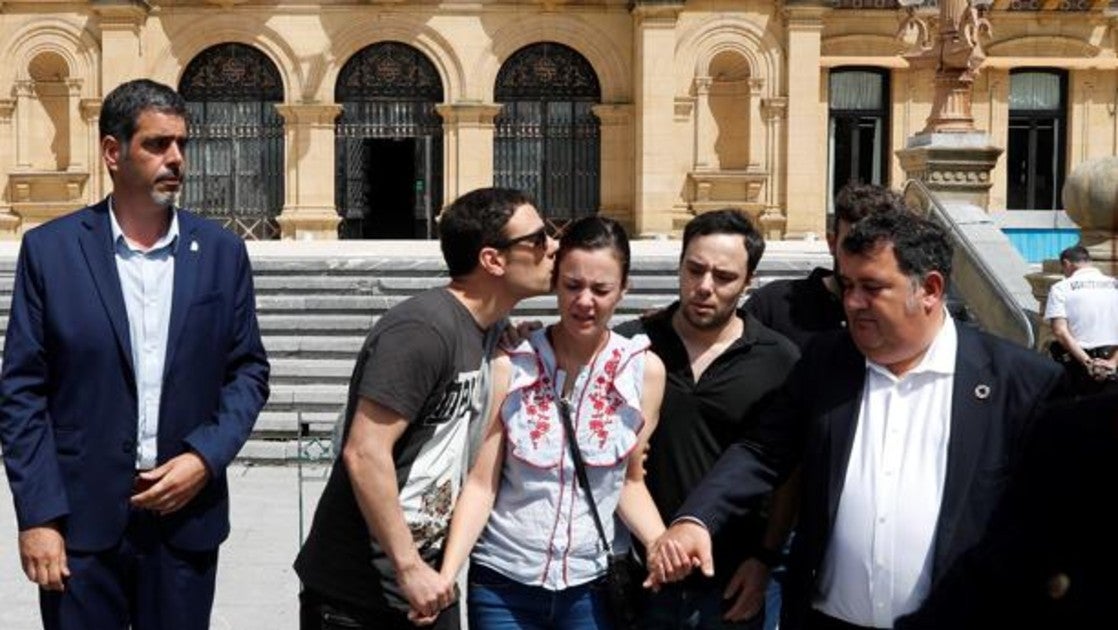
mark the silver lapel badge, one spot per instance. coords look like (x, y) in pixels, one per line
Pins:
(193, 246)
(982, 391)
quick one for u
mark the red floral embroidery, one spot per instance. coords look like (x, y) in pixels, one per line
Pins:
(537, 407)
(604, 401)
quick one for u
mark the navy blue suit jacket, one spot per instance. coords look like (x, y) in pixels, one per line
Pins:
(997, 392)
(68, 391)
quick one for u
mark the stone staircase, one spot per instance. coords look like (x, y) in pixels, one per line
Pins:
(317, 301)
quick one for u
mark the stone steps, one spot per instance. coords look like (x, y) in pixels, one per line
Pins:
(317, 302)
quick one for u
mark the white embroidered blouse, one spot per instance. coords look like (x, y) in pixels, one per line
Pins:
(540, 531)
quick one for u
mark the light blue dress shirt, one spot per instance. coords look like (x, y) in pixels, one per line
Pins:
(147, 280)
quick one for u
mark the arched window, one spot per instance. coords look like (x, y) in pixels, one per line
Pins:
(858, 150)
(547, 138)
(389, 143)
(235, 156)
(1035, 159)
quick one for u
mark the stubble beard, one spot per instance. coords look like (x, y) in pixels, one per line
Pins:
(715, 321)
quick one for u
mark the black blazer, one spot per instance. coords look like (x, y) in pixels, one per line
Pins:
(998, 388)
(1047, 560)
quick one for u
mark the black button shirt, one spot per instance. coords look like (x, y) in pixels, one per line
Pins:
(700, 419)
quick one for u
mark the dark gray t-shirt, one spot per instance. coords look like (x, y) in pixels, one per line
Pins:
(422, 360)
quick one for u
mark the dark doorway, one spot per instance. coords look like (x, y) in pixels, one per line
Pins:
(859, 128)
(390, 177)
(388, 143)
(1035, 155)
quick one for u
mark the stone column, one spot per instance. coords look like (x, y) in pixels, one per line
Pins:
(774, 219)
(704, 126)
(807, 121)
(657, 178)
(758, 157)
(9, 222)
(78, 158)
(616, 175)
(25, 96)
(308, 209)
(91, 113)
(467, 147)
(121, 50)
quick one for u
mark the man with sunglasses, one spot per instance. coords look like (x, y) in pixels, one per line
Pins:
(417, 392)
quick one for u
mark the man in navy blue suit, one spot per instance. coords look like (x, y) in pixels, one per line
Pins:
(133, 373)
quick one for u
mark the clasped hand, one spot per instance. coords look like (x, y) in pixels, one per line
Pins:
(428, 592)
(684, 547)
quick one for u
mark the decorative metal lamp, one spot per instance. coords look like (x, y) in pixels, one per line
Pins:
(955, 52)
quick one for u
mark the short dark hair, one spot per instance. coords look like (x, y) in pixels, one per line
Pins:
(122, 107)
(475, 220)
(857, 201)
(727, 221)
(1076, 254)
(593, 233)
(920, 245)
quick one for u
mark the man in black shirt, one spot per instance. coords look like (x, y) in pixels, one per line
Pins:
(721, 363)
(371, 558)
(802, 308)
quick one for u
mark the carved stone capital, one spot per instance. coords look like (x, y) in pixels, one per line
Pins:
(775, 108)
(90, 108)
(613, 114)
(683, 106)
(313, 114)
(122, 15)
(662, 11)
(468, 114)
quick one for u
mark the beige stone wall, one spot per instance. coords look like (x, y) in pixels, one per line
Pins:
(705, 103)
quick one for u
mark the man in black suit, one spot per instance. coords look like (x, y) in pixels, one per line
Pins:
(906, 427)
(1048, 557)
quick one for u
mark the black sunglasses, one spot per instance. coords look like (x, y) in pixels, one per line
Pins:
(537, 239)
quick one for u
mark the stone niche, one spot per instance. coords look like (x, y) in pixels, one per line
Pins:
(51, 172)
(714, 190)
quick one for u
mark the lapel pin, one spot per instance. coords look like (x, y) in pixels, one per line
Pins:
(982, 391)
(193, 246)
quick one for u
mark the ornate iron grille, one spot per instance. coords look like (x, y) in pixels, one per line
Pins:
(387, 90)
(235, 168)
(878, 4)
(547, 138)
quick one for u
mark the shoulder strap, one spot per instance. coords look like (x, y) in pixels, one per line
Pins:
(580, 469)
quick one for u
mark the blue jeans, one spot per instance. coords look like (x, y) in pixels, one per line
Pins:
(499, 603)
(773, 598)
(683, 606)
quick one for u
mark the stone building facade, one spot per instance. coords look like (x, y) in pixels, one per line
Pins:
(361, 118)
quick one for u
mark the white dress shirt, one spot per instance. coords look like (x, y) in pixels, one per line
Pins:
(878, 561)
(147, 281)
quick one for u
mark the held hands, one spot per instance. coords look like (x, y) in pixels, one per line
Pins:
(427, 591)
(42, 551)
(681, 549)
(171, 486)
(747, 589)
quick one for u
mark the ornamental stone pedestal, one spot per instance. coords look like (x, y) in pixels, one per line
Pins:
(954, 166)
(1091, 200)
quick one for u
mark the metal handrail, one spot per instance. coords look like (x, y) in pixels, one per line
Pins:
(935, 210)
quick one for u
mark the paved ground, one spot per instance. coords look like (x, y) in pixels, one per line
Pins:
(256, 588)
